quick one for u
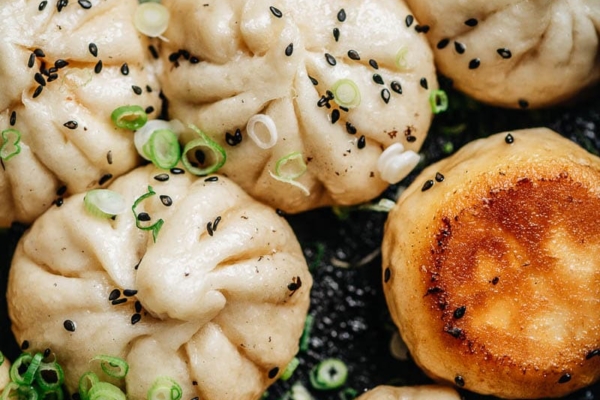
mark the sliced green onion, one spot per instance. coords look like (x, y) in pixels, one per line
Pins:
(104, 203)
(268, 123)
(348, 394)
(1, 358)
(401, 58)
(218, 154)
(152, 19)
(341, 212)
(165, 388)
(10, 391)
(52, 394)
(289, 168)
(329, 374)
(155, 227)
(438, 99)
(27, 392)
(383, 205)
(113, 366)
(289, 370)
(129, 117)
(346, 93)
(305, 338)
(86, 382)
(105, 391)
(142, 136)
(297, 392)
(163, 149)
(395, 163)
(50, 376)
(10, 146)
(31, 363)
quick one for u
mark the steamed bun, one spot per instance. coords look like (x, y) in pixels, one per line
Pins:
(492, 266)
(63, 70)
(227, 61)
(217, 303)
(426, 392)
(515, 53)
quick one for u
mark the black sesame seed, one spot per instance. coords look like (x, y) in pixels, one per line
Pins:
(166, 200)
(177, 171)
(423, 83)
(104, 178)
(335, 116)
(471, 22)
(109, 158)
(69, 325)
(341, 15)
(443, 43)
(47, 353)
(211, 179)
(422, 28)
(52, 77)
(125, 69)
(509, 138)
(336, 34)
(52, 70)
(135, 318)
(31, 60)
(39, 53)
(137, 306)
(42, 5)
(565, 378)
(427, 185)
(25, 345)
(453, 331)
(385, 95)
(409, 20)
(353, 54)
(273, 372)
(144, 217)
(59, 202)
(592, 353)
(362, 142)
(153, 52)
(275, 12)
(377, 79)
(98, 67)
(350, 128)
(38, 91)
(495, 280)
(162, 177)
(396, 87)
(129, 292)
(459, 380)
(149, 110)
(216, 223)
(184, 53)
(322, 101)
(439, 177)
(39, 79)
(136, 89)
(194, 60)
(289, 49)
(61, 4)
(504, 52)
(209, 228)
(313, 80)
(60, 63)
(235, 139)
(114, 294)
(411, 138)
(330, 59)
(116, 302)
(71, 124)
(373, 64)
(174, 56)
(61, 190)
(474, 63)
(387, 274)
(13, 118)
(344, 109)
(459, 47)
(459, 312)
(523, 103)
(93, 49)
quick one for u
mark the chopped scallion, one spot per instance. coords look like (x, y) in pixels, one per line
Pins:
(289, 168)
(395, 163)
(163, 149)
(104, 203)
(165, 388)
(383, 205)
(113, 366)
(151, 19)
(1, 358)
(215, 161)
(10, 144)
(23, 370)
(129, 117)
(289, 370)
(401, 58)
(86, 382)
(305, 338)
(438, 99)
(105, 391)
(269, 124)
(346, 93)
(155, 227)
(50, 376)
(329, 374)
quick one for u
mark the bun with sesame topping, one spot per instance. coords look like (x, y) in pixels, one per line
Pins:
(60, 80)
(214, 299)
(515, 53)
(492, 273)
(426, 392)
(338, 81)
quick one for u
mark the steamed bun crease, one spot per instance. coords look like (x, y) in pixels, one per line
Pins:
(217, 303)
(226, 62)
(63, 69)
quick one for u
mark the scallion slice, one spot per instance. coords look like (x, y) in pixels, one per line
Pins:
(329, 374)
(50, 376)
(151, 19)
(305, 338)
(104, 203)
(395, 163)
(438, 99)
(29, 364)
(289, 370)
(401, 58)
(86, 382)
(213, 162)
(10, 144)
(346, 93)
(129, 117)
(269, 124)
(165, 388)
(52, 394)
(155, 227)
(113, 366)
(383, 205)
(142, 136)
(289, 168)
(163, 148)
(105, 391)
(298, 392)
(1, 358)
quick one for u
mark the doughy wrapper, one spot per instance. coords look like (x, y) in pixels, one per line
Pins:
(426, 392)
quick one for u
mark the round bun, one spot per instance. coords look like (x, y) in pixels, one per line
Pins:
(491, 266)
(514, 53)
(60, 97)
(426, 392)
(217, 302)
(225, 62)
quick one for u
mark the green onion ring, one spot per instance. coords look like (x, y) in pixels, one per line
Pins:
(10, 147)
(52, 369)
(105, 391)
(204, 141)
(155, 228)
(293, 171)
(31, 362)
(129, 117)
(329, 374)
(114, 367)
(86, 382)
(438, 99)
(289, 369)
(346, 93)
(104, 203)
(165, 388)
(163, 149)
(308, 325)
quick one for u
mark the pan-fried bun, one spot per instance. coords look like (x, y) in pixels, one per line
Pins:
(426, 392)
(492, 266)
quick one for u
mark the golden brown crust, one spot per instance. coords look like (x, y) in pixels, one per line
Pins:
(493, 274)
